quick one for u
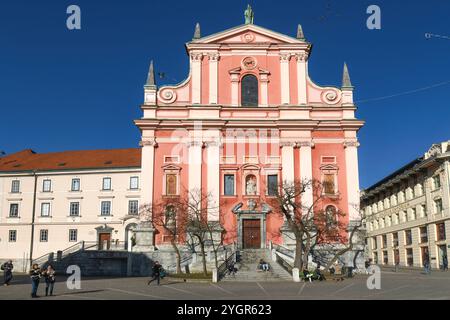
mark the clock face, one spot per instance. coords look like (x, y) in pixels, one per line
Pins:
(249, 63)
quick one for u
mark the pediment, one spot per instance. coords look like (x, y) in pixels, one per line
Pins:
(248, 34)
(329, 167)
(171, 167)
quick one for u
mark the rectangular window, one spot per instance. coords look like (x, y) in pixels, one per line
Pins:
(45, 209)
(424, 210)
(134, 183)
(440, 231)
(374, 242)
(14, 210)
(74, 209)
(272, 184)
(73, 235)
(228, 182)
(171, 184)
(395, 239)
(385, 257)
(106, 208)
(384, 241)
(409, 257)
(375, 257)
(328, 183)
(423, 235)
(47, 186)
(438, 206)
(15, 186)
(12, 236)
(106, 184)
(43, 237)
(133, 207)
(436, 182)
(408, 237)
(75, 184)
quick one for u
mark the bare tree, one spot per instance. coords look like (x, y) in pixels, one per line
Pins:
(169, 216)
(313, 224)
(200, 206)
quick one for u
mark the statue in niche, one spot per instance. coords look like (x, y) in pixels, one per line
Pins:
(251, 185)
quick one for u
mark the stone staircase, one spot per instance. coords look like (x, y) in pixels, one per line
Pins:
(248, 268)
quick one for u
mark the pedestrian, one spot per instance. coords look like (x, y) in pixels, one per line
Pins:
(35, 274)
(426, 264)
(444, 263)
(50, 279)
(7, 268)
(156, 273)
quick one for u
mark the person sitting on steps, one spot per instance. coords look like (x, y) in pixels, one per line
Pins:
(264, 266)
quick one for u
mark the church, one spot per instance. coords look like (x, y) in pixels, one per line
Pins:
(246, 119)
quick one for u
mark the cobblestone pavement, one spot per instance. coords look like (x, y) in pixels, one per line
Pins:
(401, 285)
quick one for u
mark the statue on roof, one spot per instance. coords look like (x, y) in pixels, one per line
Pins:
(249, 15)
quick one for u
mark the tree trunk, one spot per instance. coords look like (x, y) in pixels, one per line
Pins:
(202, 249)
(298, 260)
(178, 255)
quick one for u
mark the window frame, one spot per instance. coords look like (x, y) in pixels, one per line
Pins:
(13, 184)
(102, 212)
(110, 184)
(44, 189)
(72, 185)
(78, 209)
(233, 193)
(243, 82)
(15, 205)
(129, 207)
(43, 232)
(71, 233)
(269, 193)
(136, 178)
(10, 233)
(49, 209)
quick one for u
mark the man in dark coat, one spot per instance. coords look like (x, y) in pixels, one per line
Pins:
(156, 273)
(7, 268)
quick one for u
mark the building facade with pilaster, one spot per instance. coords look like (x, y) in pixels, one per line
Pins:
(247, 118)
(407, 214)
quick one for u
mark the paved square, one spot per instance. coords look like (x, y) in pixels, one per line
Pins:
(401, 285)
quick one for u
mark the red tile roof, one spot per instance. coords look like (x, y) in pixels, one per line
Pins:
(28, 160)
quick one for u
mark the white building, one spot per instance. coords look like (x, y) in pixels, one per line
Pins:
(407, 214)
(49, 202)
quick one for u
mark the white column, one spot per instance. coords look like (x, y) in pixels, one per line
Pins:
(213, 179)
(213, 66)
(147, 168)
(284, 67)
(301, 77)
(287, 161)
(195, 166)
(234, 90)
(306, 171)
(264, 90)
(351, 164)
(196, 70)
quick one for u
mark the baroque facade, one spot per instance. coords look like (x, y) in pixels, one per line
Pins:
(246, 119)
(407, 214)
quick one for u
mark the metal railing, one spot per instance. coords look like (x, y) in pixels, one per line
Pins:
(223, 268)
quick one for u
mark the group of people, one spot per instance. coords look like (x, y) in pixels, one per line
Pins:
(49, 275)
(36, 273)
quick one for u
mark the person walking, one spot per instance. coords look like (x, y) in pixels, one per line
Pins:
(444, 263)
(50, 279)
(156, 273)
(7, 268)
(35, 274)
(426, 264)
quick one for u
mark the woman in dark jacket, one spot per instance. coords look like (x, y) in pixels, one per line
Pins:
(35, 274)
(49, 275)
(7, 268)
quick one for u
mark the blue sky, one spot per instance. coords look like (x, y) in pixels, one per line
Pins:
(72, 90)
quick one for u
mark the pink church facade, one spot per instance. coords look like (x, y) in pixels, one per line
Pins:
(247, 119)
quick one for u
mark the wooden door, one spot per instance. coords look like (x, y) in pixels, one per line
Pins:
(251, 234)
(104, 241)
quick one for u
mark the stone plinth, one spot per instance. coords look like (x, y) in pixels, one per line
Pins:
(144, 238)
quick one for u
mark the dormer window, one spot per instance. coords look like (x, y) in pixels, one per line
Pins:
(249, 91)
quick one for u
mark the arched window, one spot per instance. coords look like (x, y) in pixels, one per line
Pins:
(249, 91)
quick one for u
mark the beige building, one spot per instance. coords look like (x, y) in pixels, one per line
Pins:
(49, 202)
(407, 214)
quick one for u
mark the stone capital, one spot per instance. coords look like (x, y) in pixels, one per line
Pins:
(196, 56)
(285, 57)
(148, 142)
(213, 56)
(301, 57)
(305, 144)
(354, 144)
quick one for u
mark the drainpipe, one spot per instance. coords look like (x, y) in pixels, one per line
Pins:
(33, 218)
